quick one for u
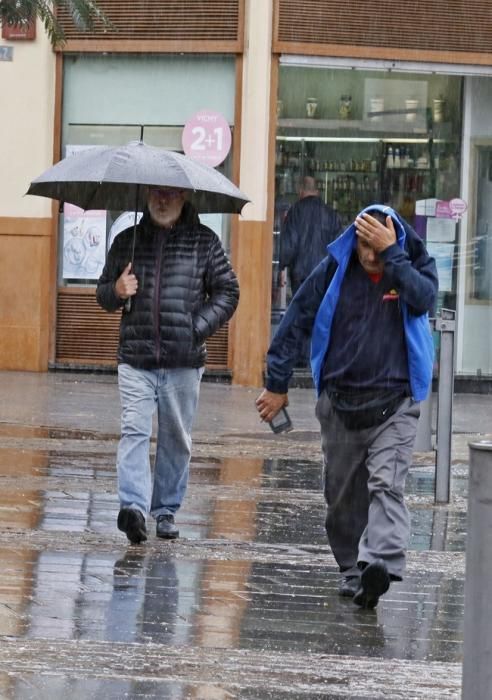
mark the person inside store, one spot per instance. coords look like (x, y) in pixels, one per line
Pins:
(309, 226)
(365, 306)
(182, 289)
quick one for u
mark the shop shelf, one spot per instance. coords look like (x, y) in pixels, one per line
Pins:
(356, 125)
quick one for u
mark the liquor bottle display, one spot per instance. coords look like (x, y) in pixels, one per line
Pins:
(355, 173)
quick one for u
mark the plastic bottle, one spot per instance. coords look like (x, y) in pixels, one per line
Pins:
(403, 157)
(389, 158)
(280, 155)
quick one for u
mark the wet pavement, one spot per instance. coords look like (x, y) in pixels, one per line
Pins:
(244, 604)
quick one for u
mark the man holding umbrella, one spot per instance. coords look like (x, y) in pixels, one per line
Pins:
(182, 289)
(171, 277)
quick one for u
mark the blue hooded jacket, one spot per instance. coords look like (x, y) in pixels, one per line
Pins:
(412, 272)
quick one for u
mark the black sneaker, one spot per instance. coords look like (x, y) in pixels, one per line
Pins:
(166, 528)
(132, 523)
(374, 582)
(349, 586)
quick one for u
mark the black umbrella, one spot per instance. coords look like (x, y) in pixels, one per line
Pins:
(105, 177)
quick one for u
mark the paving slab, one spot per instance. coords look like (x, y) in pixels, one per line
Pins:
(244, 604)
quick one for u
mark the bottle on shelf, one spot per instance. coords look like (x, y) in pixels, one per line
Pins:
(396, 158)
(423, 161)
(281, 184)
(410, 159)
(279, 161)
(389, 158)
(403, 157)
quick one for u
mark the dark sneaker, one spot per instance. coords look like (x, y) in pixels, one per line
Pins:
(349, 586)
(374, 582)
(166, 528)
(132, 523)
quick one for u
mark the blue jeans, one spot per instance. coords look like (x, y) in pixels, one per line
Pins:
(175, 393)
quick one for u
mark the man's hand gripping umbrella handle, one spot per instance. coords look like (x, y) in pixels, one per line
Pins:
(126, 286)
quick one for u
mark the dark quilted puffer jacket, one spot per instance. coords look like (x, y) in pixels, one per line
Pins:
(187, 289)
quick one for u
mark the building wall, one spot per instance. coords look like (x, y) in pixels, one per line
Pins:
(265, 28)
(27, 224)
(26, 148)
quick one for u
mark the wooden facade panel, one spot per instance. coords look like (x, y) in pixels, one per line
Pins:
(24, 279)
(173, 20)
(23, 348)
(430, 25)
(251, 329)
(20, 226)
(86, 334)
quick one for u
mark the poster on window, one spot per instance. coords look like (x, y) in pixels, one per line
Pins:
(124, 221)
(84, 237)
(441, 230)
(444, 256)
(84, 243)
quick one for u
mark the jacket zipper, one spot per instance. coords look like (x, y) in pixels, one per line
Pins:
(157, 299)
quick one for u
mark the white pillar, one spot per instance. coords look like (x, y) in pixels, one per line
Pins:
(256, 107)
(252, 247)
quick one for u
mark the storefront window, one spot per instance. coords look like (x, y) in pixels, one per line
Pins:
(370, 137)
(106, 101)
(481, 233)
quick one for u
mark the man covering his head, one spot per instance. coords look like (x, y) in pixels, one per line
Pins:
(365, 308)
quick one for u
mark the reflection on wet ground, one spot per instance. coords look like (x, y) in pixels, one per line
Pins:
(85, 615)
(30, 431)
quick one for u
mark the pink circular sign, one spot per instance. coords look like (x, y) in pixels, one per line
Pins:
(458, 207)
(207, 137)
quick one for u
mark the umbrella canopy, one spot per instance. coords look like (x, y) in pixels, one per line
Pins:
(106, 177)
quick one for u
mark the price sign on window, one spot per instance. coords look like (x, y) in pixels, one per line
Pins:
(207, 137)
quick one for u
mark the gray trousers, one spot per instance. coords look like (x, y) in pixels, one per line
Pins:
(364, 482)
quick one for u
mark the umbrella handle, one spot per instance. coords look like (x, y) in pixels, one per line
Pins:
(128, 302)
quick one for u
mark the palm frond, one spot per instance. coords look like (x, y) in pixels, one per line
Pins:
(84, 14)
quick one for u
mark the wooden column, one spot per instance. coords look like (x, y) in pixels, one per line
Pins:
(251, 330)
